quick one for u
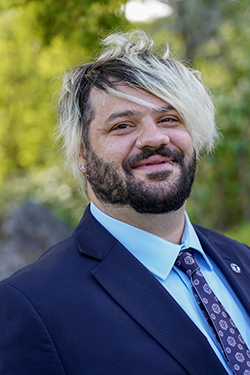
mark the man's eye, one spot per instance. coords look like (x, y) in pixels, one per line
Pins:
(121, 126)
(169, 119)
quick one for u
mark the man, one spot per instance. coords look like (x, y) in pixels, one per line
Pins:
(111, 298)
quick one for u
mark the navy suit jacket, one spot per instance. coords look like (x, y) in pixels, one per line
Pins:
(88, 306)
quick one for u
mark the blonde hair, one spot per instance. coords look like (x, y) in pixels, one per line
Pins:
(130, 58)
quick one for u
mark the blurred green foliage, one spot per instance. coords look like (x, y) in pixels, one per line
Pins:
(38, 39)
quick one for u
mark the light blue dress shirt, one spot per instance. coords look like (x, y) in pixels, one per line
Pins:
(159, 255)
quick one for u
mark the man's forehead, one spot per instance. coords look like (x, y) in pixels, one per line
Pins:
(126, 94)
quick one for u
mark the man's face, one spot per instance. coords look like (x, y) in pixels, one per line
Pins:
(138, 156)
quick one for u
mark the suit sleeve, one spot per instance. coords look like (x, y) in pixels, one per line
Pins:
(26, 346)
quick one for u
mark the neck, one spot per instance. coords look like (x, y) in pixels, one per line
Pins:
(167, 226)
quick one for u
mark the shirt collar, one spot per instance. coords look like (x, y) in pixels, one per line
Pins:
(155, 253)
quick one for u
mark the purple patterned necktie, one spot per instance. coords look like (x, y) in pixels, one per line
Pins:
(232, 344)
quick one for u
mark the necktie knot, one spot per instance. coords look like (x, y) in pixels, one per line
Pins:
(186, 262)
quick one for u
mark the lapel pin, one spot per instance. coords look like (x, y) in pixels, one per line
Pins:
(235, 268)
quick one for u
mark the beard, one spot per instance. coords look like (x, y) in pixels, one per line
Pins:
(110, 186)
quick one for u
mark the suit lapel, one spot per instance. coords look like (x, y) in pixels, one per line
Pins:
(224, 252)
(138, 292)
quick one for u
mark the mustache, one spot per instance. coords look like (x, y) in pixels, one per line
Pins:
(175, 155)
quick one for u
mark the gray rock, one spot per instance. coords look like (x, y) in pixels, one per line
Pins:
(26, 232)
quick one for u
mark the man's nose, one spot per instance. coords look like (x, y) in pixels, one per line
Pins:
(152, 136)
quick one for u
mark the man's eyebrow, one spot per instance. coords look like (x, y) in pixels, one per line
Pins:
(129, 113)
(116, 115)
(166, 108)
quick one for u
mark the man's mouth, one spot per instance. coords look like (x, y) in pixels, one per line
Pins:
(162, 159)
(155, 162)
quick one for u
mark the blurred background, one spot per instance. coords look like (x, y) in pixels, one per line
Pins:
(40, 39)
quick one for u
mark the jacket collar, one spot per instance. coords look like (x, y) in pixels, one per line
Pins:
(95, 241)
(92, 238)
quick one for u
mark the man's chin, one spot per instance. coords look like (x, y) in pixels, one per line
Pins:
(159, 175)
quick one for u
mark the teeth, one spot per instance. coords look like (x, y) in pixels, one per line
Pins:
(170, 162)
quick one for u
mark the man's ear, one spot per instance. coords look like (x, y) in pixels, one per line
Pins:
(81, 160)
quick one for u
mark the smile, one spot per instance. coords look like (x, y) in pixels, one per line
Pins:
(155, 162)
